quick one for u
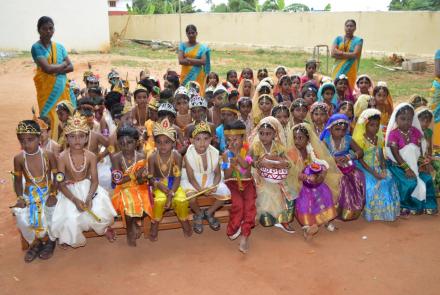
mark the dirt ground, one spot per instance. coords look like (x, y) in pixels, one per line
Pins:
(360, 258)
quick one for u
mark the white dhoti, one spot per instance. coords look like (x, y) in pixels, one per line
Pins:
(105, 174)
(68, 224)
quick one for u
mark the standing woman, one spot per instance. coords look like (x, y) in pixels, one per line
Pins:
(347, 53)
(194, 58)
(50, 78)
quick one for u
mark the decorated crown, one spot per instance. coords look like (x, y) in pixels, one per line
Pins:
(181, 91)
(167, 107)
(319, 105)
(164, 128)
(87, 74)
(24, 128)
(92, 78)
(198, 101)
(118, 87)
(201, 127)
(76, 123)
(140, 88)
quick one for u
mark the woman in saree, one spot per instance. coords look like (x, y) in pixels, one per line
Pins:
(347, 53)
(194, 58)
(50, 79)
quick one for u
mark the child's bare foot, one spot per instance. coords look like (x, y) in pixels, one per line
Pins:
(310, 231)
(131, 237)
(244, 245)
(110, 234)
(187, 231)
(154, 231)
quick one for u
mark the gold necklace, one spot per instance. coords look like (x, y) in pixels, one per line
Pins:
(164, 166)
(372, 141)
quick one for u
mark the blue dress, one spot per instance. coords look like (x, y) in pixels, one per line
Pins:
(382, 196)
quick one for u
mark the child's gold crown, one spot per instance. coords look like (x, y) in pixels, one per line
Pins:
(164, 128)
(76, 123)
(24, 128)
(201, 127)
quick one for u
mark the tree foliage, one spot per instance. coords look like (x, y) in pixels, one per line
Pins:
(254, 6)
(161, 6)
(433, 5)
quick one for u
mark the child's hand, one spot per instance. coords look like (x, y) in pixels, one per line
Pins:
(51, 201)
(80, 205)
(168, 203)
(410, 174)
(19, 204)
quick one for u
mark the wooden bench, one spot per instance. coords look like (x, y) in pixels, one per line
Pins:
(169, 221)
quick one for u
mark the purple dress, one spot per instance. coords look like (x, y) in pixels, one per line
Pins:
(352, 197)
(314, 204)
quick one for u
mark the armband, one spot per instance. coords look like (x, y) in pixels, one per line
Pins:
(117, 176)
(60, 177)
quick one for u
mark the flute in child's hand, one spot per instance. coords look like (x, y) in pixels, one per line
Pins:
(202, 192)
(91, 213)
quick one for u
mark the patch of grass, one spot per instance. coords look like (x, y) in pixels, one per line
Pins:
(401, 84)
(127, 63)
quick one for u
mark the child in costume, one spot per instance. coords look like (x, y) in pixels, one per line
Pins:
(164, 173)
(382, 196)
(244, 105)
(64, 110)
(131, 197)
(203, 174)
(181, 99)
(384, 102)
(229, 113)
(351, 199)
(319, 114)
(316, 180)
(246, 88)
(309, 93)
(426, 116)
(220, 97)
(311, 67)
(262, 107)
(237, 173)
(282, 114)
(364, 85)
(285, 95)
(37, 197)
(404, 153)
(166, 110)
(299, 110)
(82, 204)
(274, 200)
(327, 94)
(199, 112)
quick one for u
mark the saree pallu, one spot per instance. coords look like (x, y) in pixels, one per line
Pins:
(51, 88)
(195, 73)
(133, 199)
(406, 186)
(352, 197)
(348, 67)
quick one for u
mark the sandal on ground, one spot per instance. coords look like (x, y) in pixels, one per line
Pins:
(198, 223)
(32, 253)
(47, 250)
(214, 224)
(285, 227)
(110, 234)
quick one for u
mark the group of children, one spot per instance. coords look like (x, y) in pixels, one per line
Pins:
(276, 148)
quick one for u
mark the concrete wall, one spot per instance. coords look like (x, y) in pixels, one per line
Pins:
(79, 24)
(408, 33)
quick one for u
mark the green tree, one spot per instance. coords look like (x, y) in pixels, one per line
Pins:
(328, 7)
(236, 6)
(161, 6)
(297, 7)
(273, 5)
(433, 5)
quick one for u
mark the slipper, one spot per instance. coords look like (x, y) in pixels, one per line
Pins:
(33, 252)
(47, 250)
